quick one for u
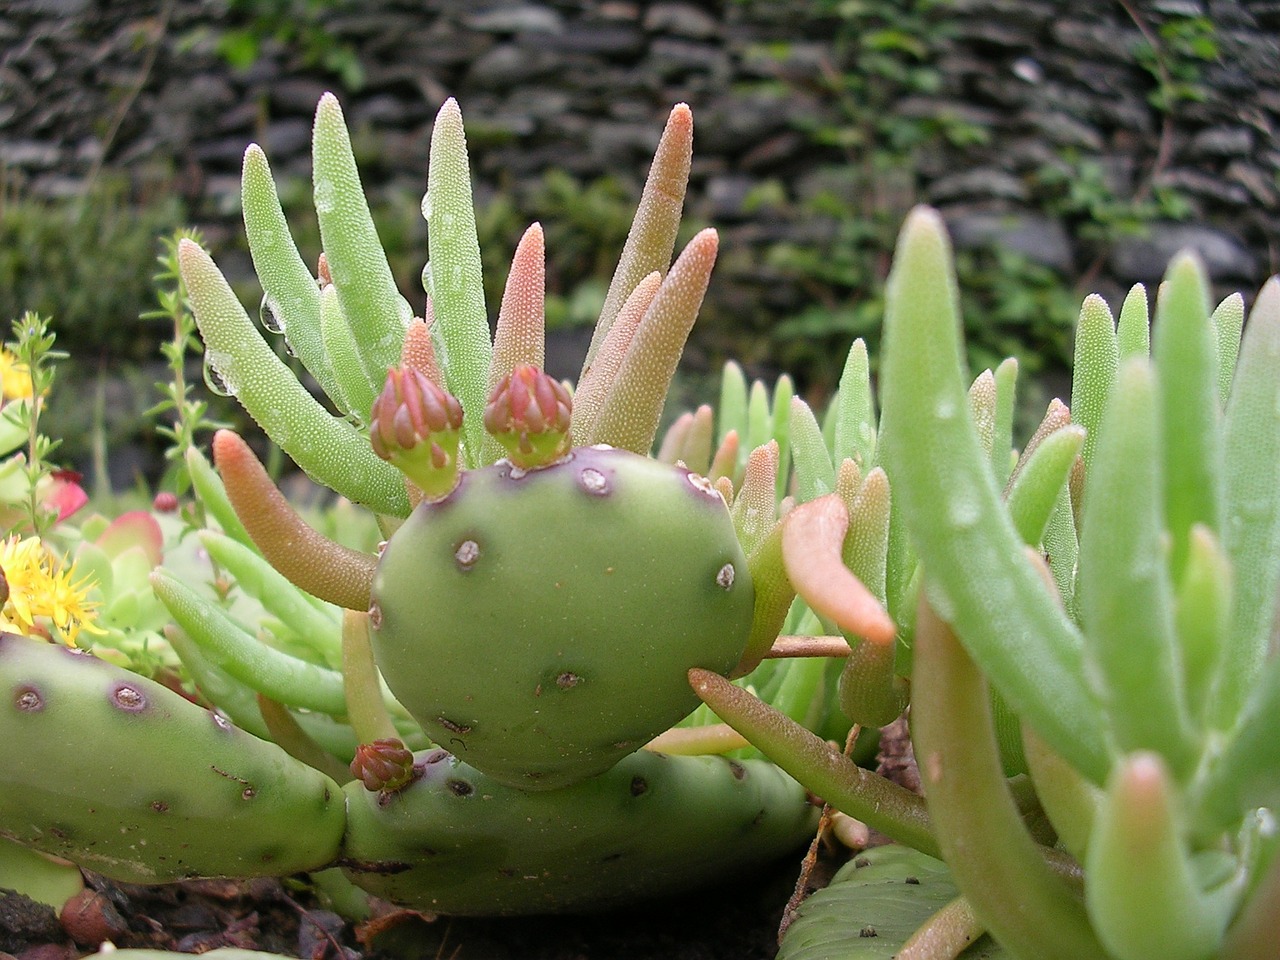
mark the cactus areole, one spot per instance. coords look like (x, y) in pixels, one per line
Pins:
(540, 624)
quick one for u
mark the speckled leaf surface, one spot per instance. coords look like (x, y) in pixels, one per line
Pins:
(872, 906)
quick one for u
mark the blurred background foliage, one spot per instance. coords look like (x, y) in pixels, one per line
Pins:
(88, 260)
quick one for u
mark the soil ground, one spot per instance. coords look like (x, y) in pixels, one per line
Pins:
(735, 921)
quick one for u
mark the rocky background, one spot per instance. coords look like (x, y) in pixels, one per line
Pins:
(1041, 129)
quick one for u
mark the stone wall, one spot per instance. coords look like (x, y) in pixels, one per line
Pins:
(584, 85)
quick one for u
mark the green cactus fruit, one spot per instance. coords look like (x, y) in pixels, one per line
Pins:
(540, 624)
(455, 842)
(137, 783)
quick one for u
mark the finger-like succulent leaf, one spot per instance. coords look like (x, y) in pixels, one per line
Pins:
(1094, 368)
(1251, 442)
(290, 291)
(954, 514)
(330, 450)
(1125, 593)
(1144, 892)
(378, 314)
(457, 287)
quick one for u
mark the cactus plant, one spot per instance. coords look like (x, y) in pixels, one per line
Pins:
(543, 589)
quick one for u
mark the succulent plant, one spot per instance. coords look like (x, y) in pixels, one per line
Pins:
(1088, 630)
(458, 718)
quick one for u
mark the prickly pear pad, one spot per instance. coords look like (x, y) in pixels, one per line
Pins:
(144, 786)
(541, 624)
(455, 842)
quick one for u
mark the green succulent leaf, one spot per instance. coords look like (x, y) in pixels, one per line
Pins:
(1228, 324)
(1034, 490)
(1125, 594)
(1002, 438)
(456, 285)
(953, 511)
(1251, 471)
(378, 314)
(855, 424)
(1094, 368)
(1133, 329)
(1143, 890)
(815, 475)
(1185, 354)
(282, 677)
(290, 290)
(874, 904)
(330, 450)
(355, 392)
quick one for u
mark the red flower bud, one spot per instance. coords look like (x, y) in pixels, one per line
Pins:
(414, 425)
(385, 765)
(529, 413)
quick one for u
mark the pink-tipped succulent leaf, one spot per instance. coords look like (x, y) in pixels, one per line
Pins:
(385, 765)
(528, 413)
(414, 426)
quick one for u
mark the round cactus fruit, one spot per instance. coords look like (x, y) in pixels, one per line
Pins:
(540, 624)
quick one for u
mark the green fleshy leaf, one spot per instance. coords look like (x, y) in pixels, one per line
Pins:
(1203, 616)
(1142, 888)
(290, 290)
(1006, 402)
(1133, 329)
(355, 391)
(732, 410)
(330, 450)
(872, 906)
(982, 408)
(1094, 368)
(815, 475)
(1034, 490)
(372, 303)
(213, 495)
(456, 284)
(980, 580)
(1186, 357)
(1228, 324)
(319, 629)
(230, 647)
(856, 415)
(1251, 441)
(783, 390)
(1125, 595)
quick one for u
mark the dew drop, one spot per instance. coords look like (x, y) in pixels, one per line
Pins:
(426, 206)
(428, 282)
(324, 196)
(467, 554)
(269, 315)
(215, 378)
(593, 482)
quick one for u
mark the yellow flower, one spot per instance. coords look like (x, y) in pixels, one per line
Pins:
(40, 587)
(15, 378)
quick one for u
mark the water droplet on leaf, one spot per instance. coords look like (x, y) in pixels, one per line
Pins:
(269, 315)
